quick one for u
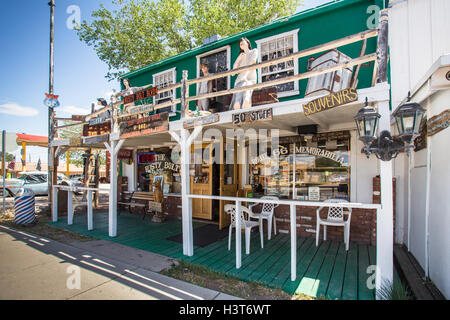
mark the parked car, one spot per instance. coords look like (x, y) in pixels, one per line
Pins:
(36, 181)
(77, 177)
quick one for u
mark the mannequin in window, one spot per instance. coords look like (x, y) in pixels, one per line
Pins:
(247, 56)
(204, 87)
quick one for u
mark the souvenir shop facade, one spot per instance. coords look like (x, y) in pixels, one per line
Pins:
(317, 154)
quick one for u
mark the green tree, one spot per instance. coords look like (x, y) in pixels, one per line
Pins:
(8, 156)
(140, 32)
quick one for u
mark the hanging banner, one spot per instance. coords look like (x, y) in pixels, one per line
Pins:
(125, 154)
(330, 101)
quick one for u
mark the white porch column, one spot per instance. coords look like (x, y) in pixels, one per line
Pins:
(113, 149)
(69, 207)
(293, 218)
(90, 218)
(55, 205)
(385, 224)
(185, 141)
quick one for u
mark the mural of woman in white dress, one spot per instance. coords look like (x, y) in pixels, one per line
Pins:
(247, 56)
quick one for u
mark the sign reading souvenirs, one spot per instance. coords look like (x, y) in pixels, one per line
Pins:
(191, 123)
(141, 95)
(145, 125)
(252, 116)
(438, 123)
(332, 100)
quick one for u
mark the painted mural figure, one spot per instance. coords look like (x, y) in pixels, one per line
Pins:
(204, 87)
(247, 56)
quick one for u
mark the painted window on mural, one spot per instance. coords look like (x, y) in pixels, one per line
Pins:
(274, 48)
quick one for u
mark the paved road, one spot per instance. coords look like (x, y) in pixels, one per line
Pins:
(32, 267)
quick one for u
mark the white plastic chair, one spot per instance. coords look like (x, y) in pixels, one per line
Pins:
(245, 224)
(266, 213)
(335, 217)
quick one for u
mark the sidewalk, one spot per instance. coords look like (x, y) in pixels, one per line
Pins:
(32, 267)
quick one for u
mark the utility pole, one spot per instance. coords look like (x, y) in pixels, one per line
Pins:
(51, 114)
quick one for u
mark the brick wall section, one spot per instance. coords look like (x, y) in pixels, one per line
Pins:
(361, 226)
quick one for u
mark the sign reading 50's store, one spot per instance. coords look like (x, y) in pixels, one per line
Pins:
(330, 101)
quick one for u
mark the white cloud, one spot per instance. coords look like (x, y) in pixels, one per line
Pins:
(74, 110)
(15, 109)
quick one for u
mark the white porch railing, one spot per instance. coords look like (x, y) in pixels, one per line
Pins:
(384, 256)
(70, 206)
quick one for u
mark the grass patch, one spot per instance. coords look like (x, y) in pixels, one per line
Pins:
(206, 278)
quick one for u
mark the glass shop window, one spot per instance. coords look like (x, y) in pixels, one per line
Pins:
(316, 169)
(322, 170)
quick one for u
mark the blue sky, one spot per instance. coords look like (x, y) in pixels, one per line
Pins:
(79, 73)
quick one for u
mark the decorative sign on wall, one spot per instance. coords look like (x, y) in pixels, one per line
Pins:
(191, 123)
(96, 139)
(252, 116)
(420, 142)
(140, 95)
(98, 120)
(158, 168)
(125, 154)
(330, 101)
(438, 123)
(145, 125)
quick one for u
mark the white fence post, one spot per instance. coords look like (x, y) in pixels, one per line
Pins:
(385, 224)
(55, 204)
(293, 242)
(238, 235)
(69, 207)
(89, 211)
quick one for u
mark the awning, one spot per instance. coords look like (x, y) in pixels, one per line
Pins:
(32, 140)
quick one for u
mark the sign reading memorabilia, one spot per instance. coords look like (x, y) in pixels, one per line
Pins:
(145, 125)
(252, 116)
(331, 101)
(191, 123)
(141, 95)
(438, 123)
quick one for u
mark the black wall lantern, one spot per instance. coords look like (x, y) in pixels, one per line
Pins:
(386, 147)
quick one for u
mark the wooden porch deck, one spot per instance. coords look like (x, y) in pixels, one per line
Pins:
(324, 271)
